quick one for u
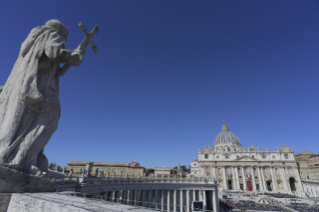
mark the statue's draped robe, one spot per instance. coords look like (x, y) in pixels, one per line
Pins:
(29, 101)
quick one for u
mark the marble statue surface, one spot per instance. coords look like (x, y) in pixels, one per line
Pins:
(29, 100)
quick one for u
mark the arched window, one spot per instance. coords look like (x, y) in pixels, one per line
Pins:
(228, 170)
(247, 170)
(266, 171)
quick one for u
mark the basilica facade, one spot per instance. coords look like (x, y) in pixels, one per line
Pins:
(236, 167)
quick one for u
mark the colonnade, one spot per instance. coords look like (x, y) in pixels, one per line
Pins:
(166, 199)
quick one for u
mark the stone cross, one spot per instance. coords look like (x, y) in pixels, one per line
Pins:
(87, 40)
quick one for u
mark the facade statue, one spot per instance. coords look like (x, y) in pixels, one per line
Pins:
(29, 101)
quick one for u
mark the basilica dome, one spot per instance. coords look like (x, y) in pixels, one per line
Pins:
(226, 138)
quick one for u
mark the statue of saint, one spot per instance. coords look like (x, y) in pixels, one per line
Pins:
(29, 101)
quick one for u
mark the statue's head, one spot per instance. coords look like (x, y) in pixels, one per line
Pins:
(60, 27)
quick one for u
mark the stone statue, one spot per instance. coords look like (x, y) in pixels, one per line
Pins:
(71, 172)
(29, 101)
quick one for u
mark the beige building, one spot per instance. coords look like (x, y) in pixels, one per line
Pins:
(236, 167)
(308, 165)
(107, 168)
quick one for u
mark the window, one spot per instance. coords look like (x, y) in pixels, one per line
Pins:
(118, 171)
(239, 171)
(228, 170)
(255, 171)
(253, 156)
(217, 157)
(227, 157)
(247, 170)
(266, 171)
(108, 171)
(195, 164)
(76, 169)
(123, 171)
(237, 156)
(264, 157)
(81, 170)
(286, 156)
(206, 156)
(273, 157)
(289, 170)
(113, 171)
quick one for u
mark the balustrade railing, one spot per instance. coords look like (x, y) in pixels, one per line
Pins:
(116, 179)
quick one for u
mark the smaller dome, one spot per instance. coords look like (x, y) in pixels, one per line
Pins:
(226, 138)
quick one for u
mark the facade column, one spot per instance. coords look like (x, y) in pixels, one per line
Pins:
(284, 179)
(181, 201)
(273, 179)
(200, 195)
(150, 198)
(204, 199)
(296, 173)
(187, 201)
(194, 195)
(168, 200)
(174, 200)
(225, 179)
(253, 178)
(215, 172)
(237, 176)
(233, 177)
(244, 178)
(261, 187)
(162, 200)
(263, 178)
(143, 198)
(214, 201)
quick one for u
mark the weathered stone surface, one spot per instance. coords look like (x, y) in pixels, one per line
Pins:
(12, 181)
(29, 101)
(54, 202)
(4, 202)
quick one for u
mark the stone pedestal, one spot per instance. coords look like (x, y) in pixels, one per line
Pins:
(13, 181)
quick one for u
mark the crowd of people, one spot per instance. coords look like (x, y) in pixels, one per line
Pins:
(249, 205)
(280, 195)
(302, 207)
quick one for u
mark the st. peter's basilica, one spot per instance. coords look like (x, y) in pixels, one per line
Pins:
(238, 168)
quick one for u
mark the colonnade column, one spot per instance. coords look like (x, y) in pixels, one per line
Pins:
(194, 195)
(244, 178)
(285, 179)
(124, 197)
(105, 195)
(253, 178)
(162, 200)
(168, 200)
(156, 199)
(137, 198)
(273, 178)
(143, 198)
(233, 177)
(260, 180)
(215, 172)
(181, 200)
(225, 179)
(174, 200)
(150, 198)
(187, 201)
(204, 199)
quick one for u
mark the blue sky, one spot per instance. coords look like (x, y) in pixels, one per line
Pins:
(168, 72)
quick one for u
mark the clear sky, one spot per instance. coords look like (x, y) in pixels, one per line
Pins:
(168, 72)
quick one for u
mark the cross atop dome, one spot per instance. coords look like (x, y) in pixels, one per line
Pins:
(225, 127)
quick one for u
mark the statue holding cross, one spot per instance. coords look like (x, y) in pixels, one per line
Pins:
(29, 101)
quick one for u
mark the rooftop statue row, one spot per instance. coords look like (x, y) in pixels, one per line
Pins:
(208, 149)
